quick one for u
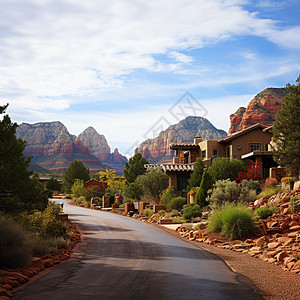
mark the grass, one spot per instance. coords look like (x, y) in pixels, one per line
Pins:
(269, 191)
(233, 222)
(264, 212)
(45, 246)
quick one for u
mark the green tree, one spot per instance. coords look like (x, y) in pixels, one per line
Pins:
(135, 167)
(76, 170)
(19, 190)
(205, 185)
(196, 175)
(153, 183)
(134, 191)
(53, 184)
(223, 168)
(286, 130)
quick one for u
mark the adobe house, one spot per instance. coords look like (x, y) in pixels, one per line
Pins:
(45, 180)
(250, 144)
(100, 186)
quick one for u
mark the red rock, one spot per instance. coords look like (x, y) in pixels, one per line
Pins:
(285, 240)
(290, 265)
(273, 245)
(48, 262)
(37, 263)
(272, 224)
(261, 109)
(281, 255)
(261, 241)
(261, 201)
(295, 228)
(293, 234)
(5, 293)
(296, 265)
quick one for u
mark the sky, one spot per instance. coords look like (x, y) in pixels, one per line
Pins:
(130, 68)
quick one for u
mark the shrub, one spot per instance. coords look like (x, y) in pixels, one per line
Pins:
(234, 222)
(148, 212)
(15, 244)
(251, 185)
(80, 200)
(198, 226)
(191, 211)
(270, 182)
(78, 188)
(264, 212)
(205, 185)
(294, 204)
(177, 203)
(167, 196)
(46, 246)
(175, 213)
(161, 212)
(229, 191)
(270, 191)
(177, 220)
(253, 171)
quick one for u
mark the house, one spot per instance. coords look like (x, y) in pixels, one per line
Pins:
(251, 144)
(100, 186)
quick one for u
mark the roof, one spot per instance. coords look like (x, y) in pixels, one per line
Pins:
(172, 167)
(183, 145)
(239, 133)
(95, 182)
(268, 128)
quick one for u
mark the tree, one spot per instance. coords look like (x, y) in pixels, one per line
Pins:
(196, 175)
(134, 191)
(19, 190)
(153, 183)
(76, 170)
(205, 185)
(53, 184)
(286, 130)
(223, 168)
(135, 167)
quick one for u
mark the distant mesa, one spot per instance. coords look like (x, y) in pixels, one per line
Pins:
(261, 109)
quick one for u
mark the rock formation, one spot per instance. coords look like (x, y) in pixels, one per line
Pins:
(157, 150)
(261, 109)
(54, 148)
(99, 147)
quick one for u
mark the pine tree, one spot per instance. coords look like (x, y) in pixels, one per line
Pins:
(286, 130)
(196, 175)
(135, 167)
(205, 185)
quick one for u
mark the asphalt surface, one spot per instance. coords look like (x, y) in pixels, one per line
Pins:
(122, 258)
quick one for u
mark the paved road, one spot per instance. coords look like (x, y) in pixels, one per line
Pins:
(121, 258)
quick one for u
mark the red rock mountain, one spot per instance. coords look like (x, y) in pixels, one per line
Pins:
(99, 147)
(261, 109)
(54, 148)
(157, 150)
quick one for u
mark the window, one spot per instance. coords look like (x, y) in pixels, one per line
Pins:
(215, 152)
(266, 147)
(204, 154)
(254, 147)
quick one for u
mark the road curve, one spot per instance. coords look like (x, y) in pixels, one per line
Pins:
(122, 258)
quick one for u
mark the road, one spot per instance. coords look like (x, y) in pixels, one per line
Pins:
(122, 258)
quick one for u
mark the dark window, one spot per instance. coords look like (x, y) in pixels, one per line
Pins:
(254, 147)
(181, 182)
(215, 152)
(266, 147)
(204, 154)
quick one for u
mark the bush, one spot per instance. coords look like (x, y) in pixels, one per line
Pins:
(80, 200)
(15, 244)
(205, 185)
(270, 182)
(175, 213)
(177, 220)
(161, 212)
(294, 204)
(229, 191)
(148, 212)
(177, 203)
(167, 196)
(46, 246)
(234, 222)
(264, 212)
(270, 191)
(251, 185)
(191, 211)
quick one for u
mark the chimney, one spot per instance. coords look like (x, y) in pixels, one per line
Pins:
(197, 140)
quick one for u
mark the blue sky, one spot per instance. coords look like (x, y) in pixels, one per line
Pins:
(120, 65)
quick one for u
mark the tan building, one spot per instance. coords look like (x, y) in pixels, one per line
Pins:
(250, 144)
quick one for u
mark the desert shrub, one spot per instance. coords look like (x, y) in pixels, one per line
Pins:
(177, 203)
(294, 204)
(233, 221)
(270, 191)
(161, 212)
(229, 191)
(15, 244)
(205, 185)
(251, 185)
(191, 211)
(198, 226)
(78, 188)
(177, 220)
(148, 212)
(264, 212)
(44, 224)
(46, 246)
(167, 216)
(80, 200)
(134, 191)
(269, 182)
(167, 196)
(175, 213)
